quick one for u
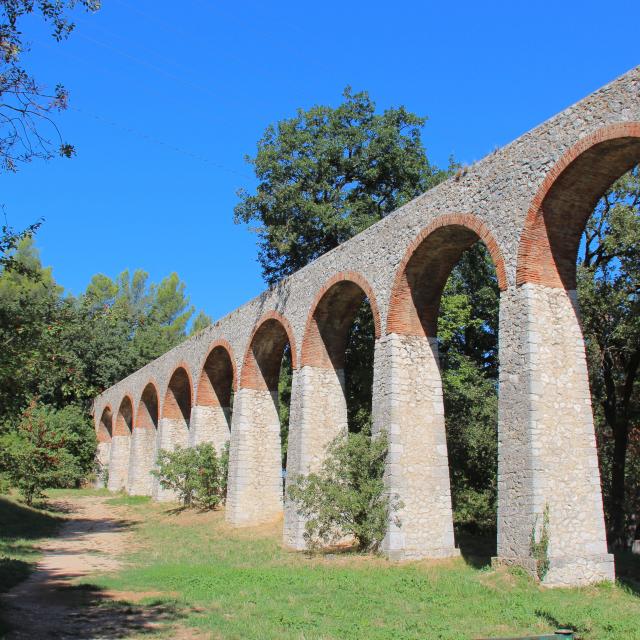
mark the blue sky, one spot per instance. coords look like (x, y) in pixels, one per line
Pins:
(168, 97)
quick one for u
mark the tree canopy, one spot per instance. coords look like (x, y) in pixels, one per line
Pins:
(329, 173)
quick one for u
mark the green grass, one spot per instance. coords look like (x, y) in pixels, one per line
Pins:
(243, 584)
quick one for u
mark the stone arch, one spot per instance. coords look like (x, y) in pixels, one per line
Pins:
(261, 363)
(178, 398)
(551, 364)
(121, 446)
(418, 470)
(218, 376)
(211, 416)
(255, 492)
(104, 434)
(331, 316)
(124, 419)
(143, 441)
(427, 263)
(105, 425)
(175, 419)
(321, 386)
(559, 211)
(148, 414)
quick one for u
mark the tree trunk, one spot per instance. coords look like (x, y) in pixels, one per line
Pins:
(617, 539)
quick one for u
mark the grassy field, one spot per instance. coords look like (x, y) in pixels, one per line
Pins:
(230, 583)
(243, 584)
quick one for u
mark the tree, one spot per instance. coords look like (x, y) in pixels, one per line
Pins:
(347, 496)
(200, 322)
(609, 296)
(329, 173)
(37, 455)
(26, 107)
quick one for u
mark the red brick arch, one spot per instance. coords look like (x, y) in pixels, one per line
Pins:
(261, 363)
(148, 413)
(331, 316)
(178, 399)
(105, 425)
(124, 419)
(218, 376)
(559, 211)
(427, 263)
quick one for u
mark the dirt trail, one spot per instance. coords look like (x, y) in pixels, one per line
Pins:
(49, 604)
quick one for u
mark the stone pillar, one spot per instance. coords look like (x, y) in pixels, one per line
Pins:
(318, 414)
(103, 454)
(254, 493)
(172, 432)
(407, 402)
(141, 461)
(547, 451)
(119, 463)
(210, 424)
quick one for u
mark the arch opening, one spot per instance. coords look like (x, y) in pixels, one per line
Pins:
(340, 337)
(268, 367)
(214, 403)
(177, 402)
(142, 453)
(259, 435)
(175, 421)
(103, 450)
(335, 380)
(443, 349)
(124, 420)
(147, 416)
(121, 446)
(217, 379)
(105, 426)
(558, 217)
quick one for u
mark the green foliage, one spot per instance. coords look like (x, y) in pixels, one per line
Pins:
(284, 401)
(26, 106)
(539, 548)
(358, 370)
(468, 346)
(200, 322)
(197, 474)
(347, 496)
(46, 450)
(329, 173)
(609, 297)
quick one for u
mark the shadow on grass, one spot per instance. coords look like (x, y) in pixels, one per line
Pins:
(20, 526)
(628, 570)
(78, 611)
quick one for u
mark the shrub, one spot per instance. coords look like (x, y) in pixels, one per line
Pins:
(197, 474)
(39, 453)
(347, 496)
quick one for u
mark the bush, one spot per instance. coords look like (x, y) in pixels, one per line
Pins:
(347, 496)
(43, 451)
(197, 474)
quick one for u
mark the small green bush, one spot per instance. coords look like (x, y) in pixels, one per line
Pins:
(347, 496)
(197, 474)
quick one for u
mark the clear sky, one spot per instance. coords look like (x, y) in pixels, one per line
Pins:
(168, 97)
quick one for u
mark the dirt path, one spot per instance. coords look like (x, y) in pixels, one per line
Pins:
(50, 603)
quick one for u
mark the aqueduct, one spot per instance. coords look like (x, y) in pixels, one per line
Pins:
(528, 202)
